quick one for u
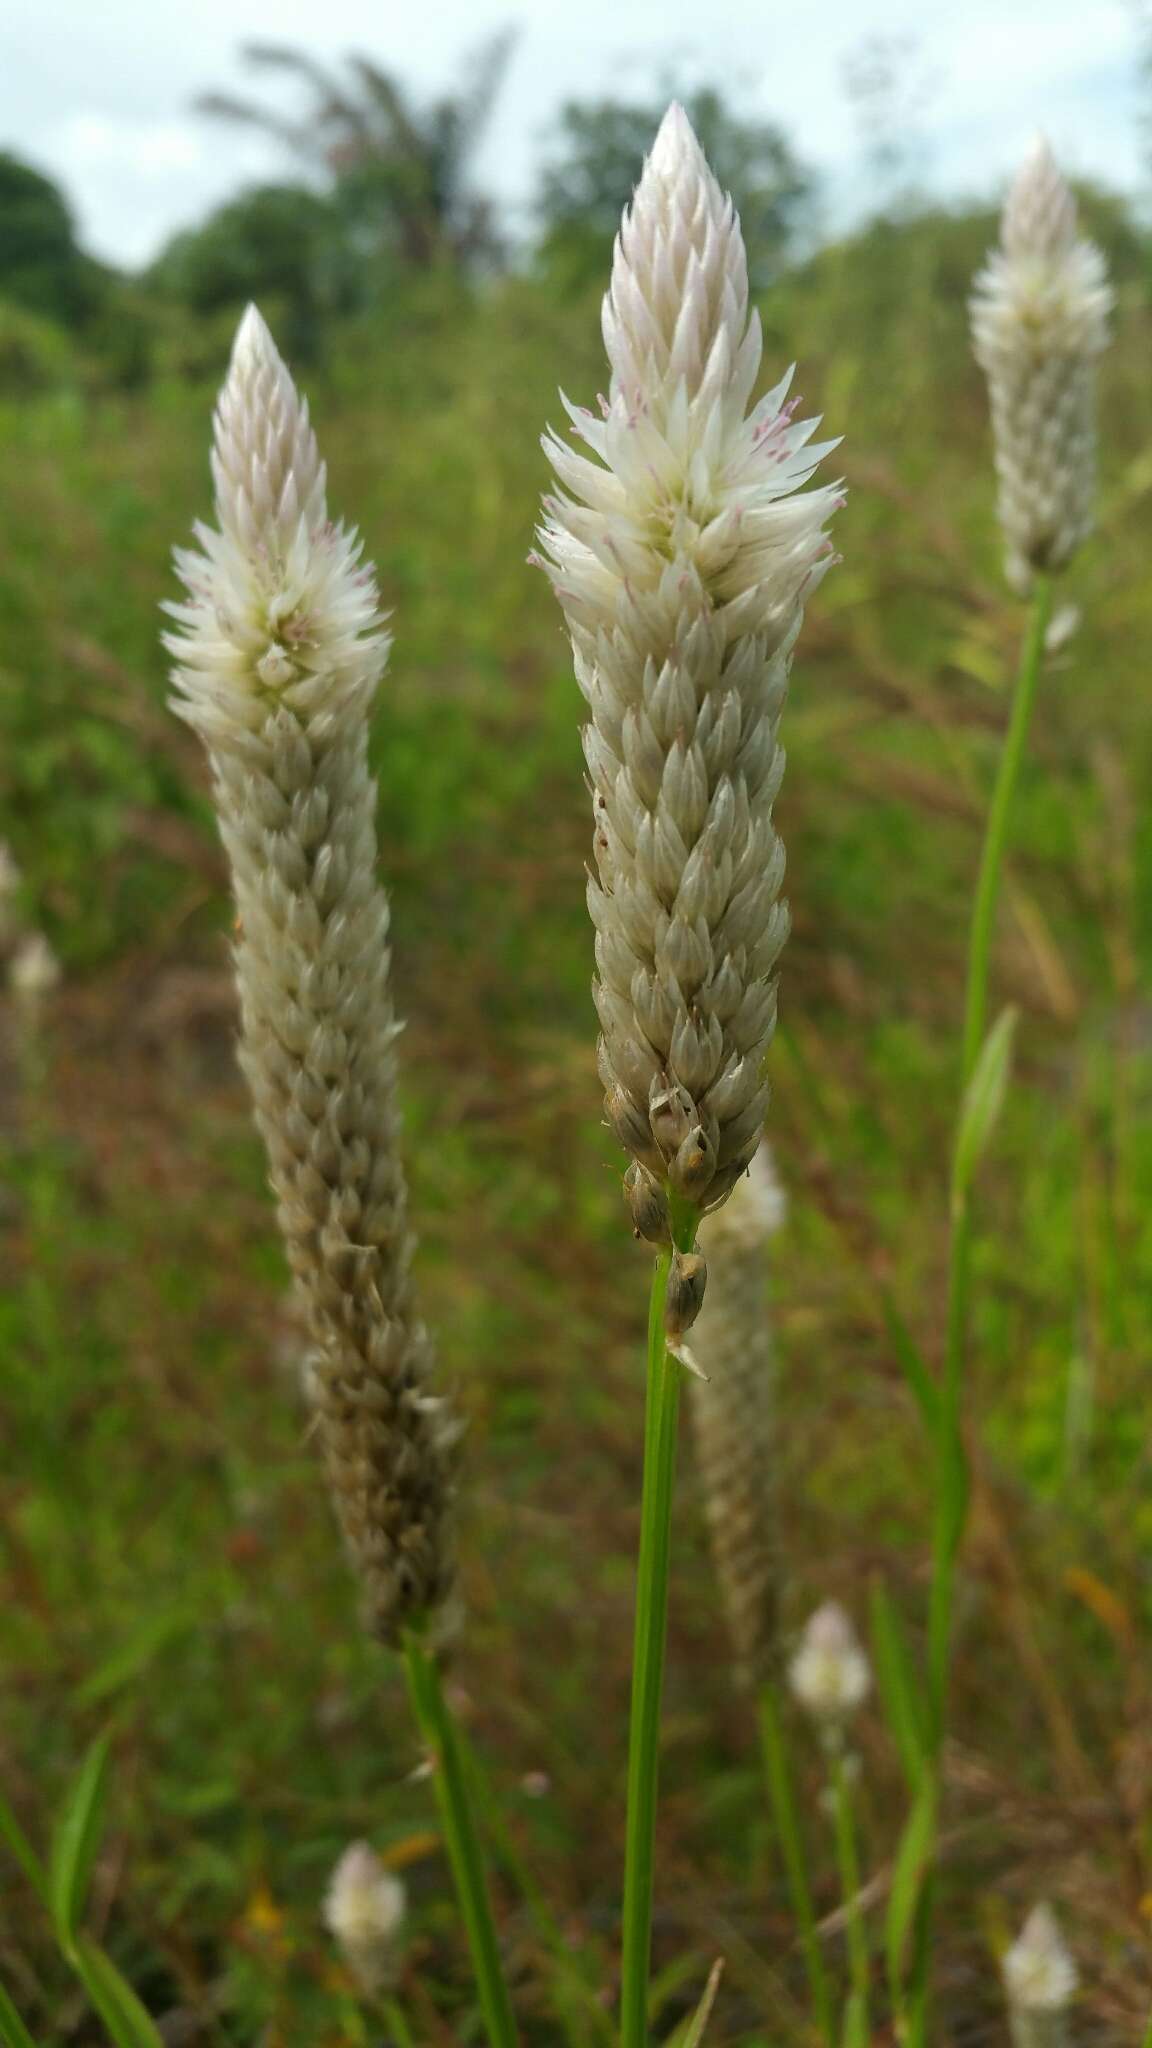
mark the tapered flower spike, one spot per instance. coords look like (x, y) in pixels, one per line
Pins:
(681, 555)
(1040, 1978)
(829, 1673)
(1039, 321)
(733, 1399)
(278, 654)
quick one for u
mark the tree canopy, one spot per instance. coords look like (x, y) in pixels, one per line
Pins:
(403, 171)
(601, 147)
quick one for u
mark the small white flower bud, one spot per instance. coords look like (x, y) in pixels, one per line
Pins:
(34, 970)
(1040, 1978)
(829, 1673)
(365, 1912)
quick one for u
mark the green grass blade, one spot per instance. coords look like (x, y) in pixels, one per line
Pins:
(12, 1833)
(910, 1359)
(75, 1843)
(912, 1859)
(982, 1103)
(13, 2032)
(113, 1997)
(791, 1843)
(693, 2032)
(899, 1688)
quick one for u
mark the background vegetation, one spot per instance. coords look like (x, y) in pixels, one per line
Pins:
(169, 1567)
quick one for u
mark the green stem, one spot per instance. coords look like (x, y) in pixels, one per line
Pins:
(660, 1429)
(951, 1487)
(951, 1477)
(856, 2027)
(996, 830)
(450, 1777)
(792, 1852)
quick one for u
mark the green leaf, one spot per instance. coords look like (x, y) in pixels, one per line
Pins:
(113, 1997)
(22, 1850)
(130, 1658)
(899, 1686)
(912, 1858)
(856, 2030)
(910, 1359)
(670, 1980)
(983, 1100)
(691, 2035)
(75, 1843)
(13, 2032)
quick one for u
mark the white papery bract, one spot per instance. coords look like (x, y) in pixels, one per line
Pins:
(733, 1396)
(830, 1674)
(1040, 1978)
(1039, 320)
(279, 651)
(681, 554)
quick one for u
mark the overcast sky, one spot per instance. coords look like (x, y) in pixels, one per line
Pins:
(98, 92)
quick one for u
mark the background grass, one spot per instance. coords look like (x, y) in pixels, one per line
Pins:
(169, 1564)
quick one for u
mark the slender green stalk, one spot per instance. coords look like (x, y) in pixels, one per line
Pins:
(660, 1431)
(792, 1852)
(579, 2010)
(951, 1479)
(856, 2019)
(461, 1836)
(951, 1488)
(996, 830)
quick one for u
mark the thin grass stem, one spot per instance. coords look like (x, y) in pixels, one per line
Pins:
(996, 830)
(660, 1433)
(450, 1776)
(856, 2033)
(951, 1488)
(791, 1843)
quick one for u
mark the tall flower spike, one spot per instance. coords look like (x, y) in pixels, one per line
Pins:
(734, 1413)
(1040, 1978)
(279, 651)
(1039, 320)
(681, 556)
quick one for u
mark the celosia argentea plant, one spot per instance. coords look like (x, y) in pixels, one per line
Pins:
(681, 548)
(279, 652)
(1039, 322)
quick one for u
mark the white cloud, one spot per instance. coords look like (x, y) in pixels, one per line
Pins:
(102, 97)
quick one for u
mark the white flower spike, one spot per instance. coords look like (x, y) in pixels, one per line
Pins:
(1039, 320)
(681, 553)
(279, 652)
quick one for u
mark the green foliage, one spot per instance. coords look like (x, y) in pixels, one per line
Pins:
(598, 157)
(283, 245)
(168, 1549)
(401, 171)
(36, 356)
(41, 265)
